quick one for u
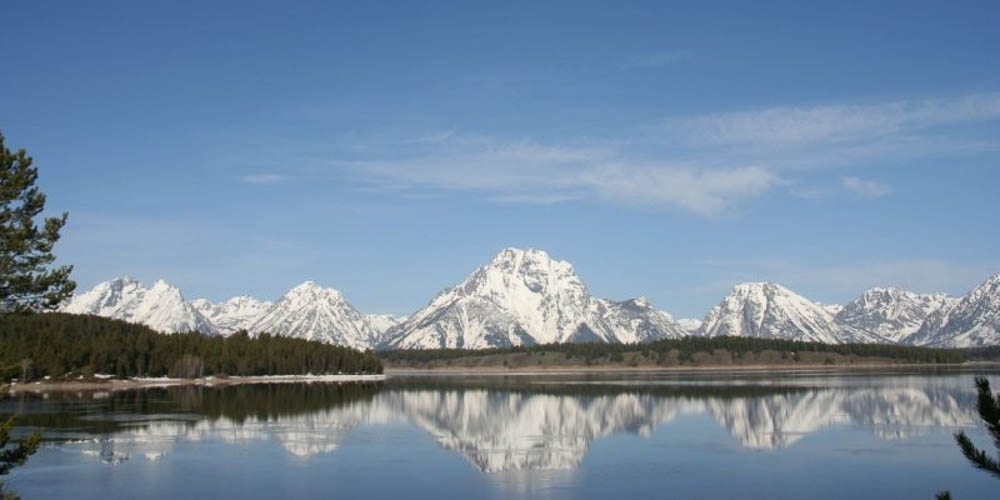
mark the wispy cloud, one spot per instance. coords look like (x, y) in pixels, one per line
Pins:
(526, 172)
(871, 189)
(708, 192)
(263, 179)
(789, 126)
(534, 198)
(705, 164)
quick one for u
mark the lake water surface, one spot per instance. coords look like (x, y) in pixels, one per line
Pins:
(625, 435)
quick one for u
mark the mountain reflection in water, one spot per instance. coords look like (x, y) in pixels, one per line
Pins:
(506, 424)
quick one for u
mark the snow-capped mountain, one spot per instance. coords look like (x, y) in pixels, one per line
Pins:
(690, 325)
(636, 320)
(382, 323)
(833, 309)
(773, 311)
(312, 312)
(974, 320)
(526, 297)
(233, 315)
(891, 312)
(161, 307)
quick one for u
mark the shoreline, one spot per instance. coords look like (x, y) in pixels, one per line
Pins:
(113, 384)
(575, 369)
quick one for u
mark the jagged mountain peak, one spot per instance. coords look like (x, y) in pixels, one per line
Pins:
(522, 271)
(233, 314)
(162, 283)
(992, 284)
(769, 287)
(310, 287)
(892, 312)
(313, 312)
(382, 323)
(161, 307)
(640, 301)
(244, 299)
(512, 255)
(526, 297)
(125, 279)
(973, 320)
(765, 309)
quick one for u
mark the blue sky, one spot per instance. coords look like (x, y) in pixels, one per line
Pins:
(387, 149)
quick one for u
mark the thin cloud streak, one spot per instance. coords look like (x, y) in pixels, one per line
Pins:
(792, 126)
(531, 173)
(871, 189)
(707, 164)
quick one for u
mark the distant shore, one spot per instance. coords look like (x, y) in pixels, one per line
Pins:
(114, 384)
(555, 369)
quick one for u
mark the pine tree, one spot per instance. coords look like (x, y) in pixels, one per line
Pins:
(14, 456)
(989, 413)
(26, 281)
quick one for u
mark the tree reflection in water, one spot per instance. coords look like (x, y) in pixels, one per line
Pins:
(499, 425)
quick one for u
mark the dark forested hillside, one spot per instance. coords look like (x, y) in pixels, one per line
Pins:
(687, 351)
(60, 345)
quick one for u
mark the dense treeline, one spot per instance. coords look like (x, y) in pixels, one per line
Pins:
(56, 345)
(684, 350)
(990, 353)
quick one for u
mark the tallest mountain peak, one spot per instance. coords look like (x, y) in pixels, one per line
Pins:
(525, 297)
(312, 288)
(511, 254)
(529, 261)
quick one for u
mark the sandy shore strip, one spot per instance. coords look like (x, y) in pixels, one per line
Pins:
(575, 369)
(113, 384)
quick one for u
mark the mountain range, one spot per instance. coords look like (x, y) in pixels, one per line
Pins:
(525, 297)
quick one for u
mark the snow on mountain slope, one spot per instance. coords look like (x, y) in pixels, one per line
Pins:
(833, 309)
(891, 312)
(233, 315)
(773, 311)
(161, 307)
(635, 320)
(525, 297)
(974, 320)
(312, 312)
(690, 325)
(382, 323)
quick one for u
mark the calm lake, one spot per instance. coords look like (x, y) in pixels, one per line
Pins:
(653, 435)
